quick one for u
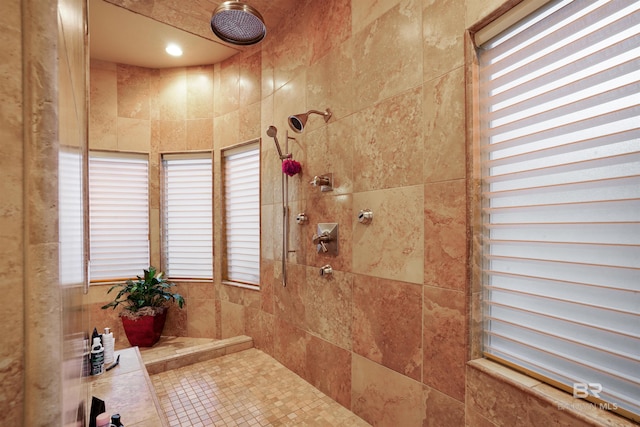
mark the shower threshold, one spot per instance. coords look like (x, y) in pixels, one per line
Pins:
(176, 352)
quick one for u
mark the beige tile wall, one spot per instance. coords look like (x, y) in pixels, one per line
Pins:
(388, 334)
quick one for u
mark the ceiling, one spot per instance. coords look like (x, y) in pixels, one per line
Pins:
(117, 34)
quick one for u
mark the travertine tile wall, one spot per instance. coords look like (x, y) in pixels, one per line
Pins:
(12, 215)
(388, 334)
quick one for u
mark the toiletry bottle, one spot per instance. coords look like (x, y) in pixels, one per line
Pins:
(115, 421)
(108, 342)
(97, 357)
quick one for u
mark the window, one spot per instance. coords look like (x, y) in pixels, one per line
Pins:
(187, 215)
(560, 117)
(118, 215)
(242, 213)
(71, 216)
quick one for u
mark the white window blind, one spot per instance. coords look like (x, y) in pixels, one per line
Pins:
(118, 215)
(187, 215)
(560, 110)
(71, 216)
(242, 213)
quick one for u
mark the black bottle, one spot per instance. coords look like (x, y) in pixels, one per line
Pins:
(115, 421)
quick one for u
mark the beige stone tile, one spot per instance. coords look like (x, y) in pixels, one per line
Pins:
(267, 285)
(330, 150)
(289, 300)
(199, 134)
(226, 130)
(392, 246)
(388, 143)
(288, 54)
(267, 233)
(442, 410)
(118, 396)
(170, 135)
(329, 369)
(445, 332)
(103, 112)
(477, 10)
(330, 83)
(378, 74)
(445, 225)
(328, 302)
(445, 152)
(364, 13)
(473, 419)
(201, 318)
(172, 94)
(241, 296)
(232, 319)
(499, 399)
(247, 388)
(387, 324)
(384, 397)
(133, 91)
(290, 346)
(227, 87)
(200, 92)
(134, 134)
(443, 30)
(249, 122)
(250, 79)
(330, 14)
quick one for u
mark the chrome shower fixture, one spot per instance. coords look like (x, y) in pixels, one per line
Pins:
(298, 121)
(238, 23)
(272, 131)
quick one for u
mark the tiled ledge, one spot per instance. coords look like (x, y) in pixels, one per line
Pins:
(496, 392)
(172, 355)
(128, 391)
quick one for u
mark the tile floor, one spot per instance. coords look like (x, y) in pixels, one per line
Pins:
(248, 388)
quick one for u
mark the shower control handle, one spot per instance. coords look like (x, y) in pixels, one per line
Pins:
(325, 182)
(321, 239)
(326, 270)
(320, 180)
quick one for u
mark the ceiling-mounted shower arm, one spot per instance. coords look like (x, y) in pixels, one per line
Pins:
(298, 121)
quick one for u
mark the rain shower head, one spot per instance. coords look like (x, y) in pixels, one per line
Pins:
(238, 23)
(298, 121)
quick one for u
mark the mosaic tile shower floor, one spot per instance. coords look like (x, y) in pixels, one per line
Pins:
(248, 388)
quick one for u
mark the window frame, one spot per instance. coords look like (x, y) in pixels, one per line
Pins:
(496, 22)
(163, 211)
(244, 146)
(115, 154)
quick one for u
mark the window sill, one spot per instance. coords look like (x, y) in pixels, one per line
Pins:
(241, 285)
(551, 396)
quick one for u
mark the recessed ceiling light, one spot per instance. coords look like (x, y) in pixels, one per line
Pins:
(173, 50)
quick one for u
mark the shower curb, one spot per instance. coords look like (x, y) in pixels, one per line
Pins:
(198, 353)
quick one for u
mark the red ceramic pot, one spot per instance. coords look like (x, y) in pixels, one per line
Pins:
(144, 331)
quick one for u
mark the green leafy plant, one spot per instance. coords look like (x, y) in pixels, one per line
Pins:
(147, 295)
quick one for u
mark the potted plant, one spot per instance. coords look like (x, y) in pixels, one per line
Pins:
(145, 306)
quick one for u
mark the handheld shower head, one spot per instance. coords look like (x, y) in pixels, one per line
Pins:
(298, 121)
(272, 132)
